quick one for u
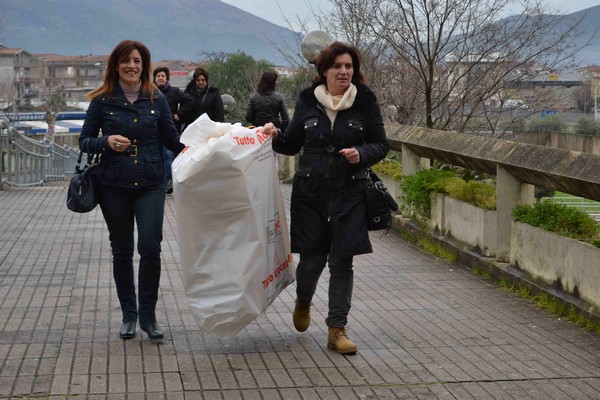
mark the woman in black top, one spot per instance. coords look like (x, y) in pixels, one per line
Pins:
(267, 105)
(207, 99)
(339, 128)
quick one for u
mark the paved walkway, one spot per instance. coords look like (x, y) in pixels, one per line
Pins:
(425, 328)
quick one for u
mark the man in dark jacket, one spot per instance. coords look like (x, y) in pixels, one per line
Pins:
(177, 99)
(207, 99)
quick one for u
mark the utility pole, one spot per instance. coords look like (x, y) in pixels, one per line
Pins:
(595, 103)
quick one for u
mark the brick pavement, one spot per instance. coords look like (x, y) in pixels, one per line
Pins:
(425, 329)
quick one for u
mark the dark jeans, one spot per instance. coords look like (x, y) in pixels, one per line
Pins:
(341, 281)
(169, 157)
(121, 207)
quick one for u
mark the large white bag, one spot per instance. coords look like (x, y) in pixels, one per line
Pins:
(232, 230)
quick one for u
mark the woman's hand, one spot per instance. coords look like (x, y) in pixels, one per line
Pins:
(270, 129)
(118, 143)
(351, 154)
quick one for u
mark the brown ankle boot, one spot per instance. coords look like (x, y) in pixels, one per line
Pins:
(301, 316)
(338, 340)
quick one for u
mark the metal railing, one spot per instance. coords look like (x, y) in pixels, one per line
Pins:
(588, 206)
(27, 162)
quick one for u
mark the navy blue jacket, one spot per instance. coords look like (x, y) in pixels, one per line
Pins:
(148, 125)
(328, 213)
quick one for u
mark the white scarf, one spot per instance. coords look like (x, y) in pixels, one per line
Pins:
(333, 104)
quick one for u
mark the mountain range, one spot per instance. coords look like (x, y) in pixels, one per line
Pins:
(172, 29)
(588, 26)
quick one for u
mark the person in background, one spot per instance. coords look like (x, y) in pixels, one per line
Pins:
(206, 99)
(267, 105)
(136, 122)
(177, 99)
(338, 125)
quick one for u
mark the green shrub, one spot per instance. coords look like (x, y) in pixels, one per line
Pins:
(552, 123)
(389, 167)
(587, 127)
(560, 219)
(417, 188)
(478, 193)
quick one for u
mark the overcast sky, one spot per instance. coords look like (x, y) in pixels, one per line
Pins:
(275, 10)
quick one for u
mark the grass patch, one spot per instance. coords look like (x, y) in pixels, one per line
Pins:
(544, 301)
(408, 237)
(435, 249)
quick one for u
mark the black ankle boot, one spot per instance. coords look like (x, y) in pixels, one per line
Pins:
(152, 329)
(127, 330)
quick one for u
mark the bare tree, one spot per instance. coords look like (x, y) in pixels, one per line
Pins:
(446, 62)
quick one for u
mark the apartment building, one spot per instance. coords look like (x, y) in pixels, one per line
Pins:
(16, 80)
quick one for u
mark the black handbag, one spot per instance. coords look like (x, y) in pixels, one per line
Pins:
(380, 204)
(81, 194)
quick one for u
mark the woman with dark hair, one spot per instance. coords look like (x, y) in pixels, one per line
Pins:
(206, 99)
(267, 105)
(136, 122)
(177, 100)
(338, 125)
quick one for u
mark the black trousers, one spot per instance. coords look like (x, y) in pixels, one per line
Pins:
(123, 209)
(341, 282)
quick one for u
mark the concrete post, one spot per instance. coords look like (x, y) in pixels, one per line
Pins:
(508, 195)
(287, 167)
(527, 194)
(410, 162)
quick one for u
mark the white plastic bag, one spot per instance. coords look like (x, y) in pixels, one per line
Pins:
(232, 230)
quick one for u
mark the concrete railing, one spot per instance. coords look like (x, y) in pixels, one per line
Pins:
(517, 167)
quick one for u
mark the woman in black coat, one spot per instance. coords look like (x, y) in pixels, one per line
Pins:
(177, 100)
(339, 126)
(207, 99)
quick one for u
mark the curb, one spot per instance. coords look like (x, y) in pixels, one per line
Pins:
(469, 261)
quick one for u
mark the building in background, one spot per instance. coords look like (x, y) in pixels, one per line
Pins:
(69, 76)
(16, 79)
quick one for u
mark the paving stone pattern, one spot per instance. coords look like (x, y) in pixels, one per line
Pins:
(426, 329)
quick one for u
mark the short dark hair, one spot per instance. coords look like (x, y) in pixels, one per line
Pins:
(161, 69)
(200, 71)
(327, 58)
(267, 83)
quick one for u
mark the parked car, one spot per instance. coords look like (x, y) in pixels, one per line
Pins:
(515, 103)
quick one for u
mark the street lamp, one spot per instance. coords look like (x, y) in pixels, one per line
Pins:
(228, 103)
(313, 43)
(595, 102)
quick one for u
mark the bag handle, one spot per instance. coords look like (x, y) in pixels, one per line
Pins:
(92, 159)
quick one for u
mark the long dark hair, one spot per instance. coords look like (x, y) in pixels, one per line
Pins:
(327, 58)
(267, 83)
(111, 76)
